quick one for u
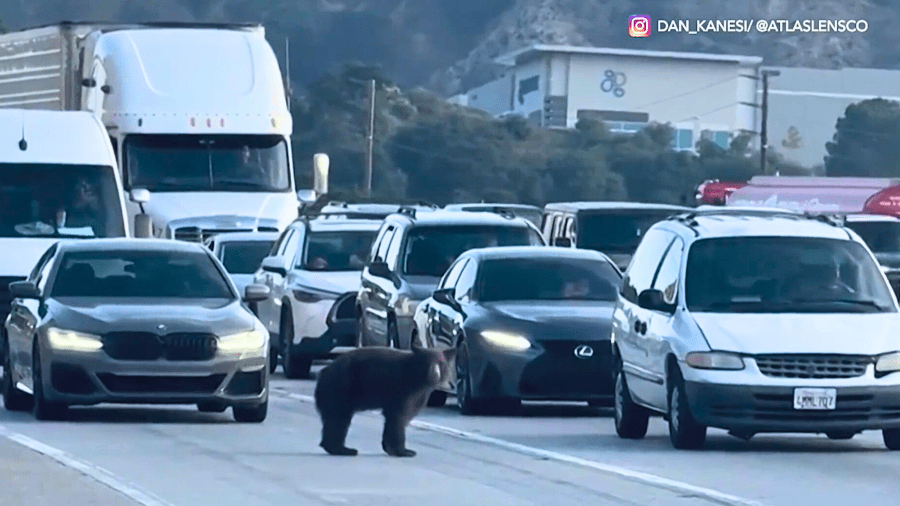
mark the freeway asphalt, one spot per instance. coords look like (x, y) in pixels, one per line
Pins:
(174, 456)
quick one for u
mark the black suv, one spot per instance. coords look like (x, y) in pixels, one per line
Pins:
(613, 228)
(410, 254)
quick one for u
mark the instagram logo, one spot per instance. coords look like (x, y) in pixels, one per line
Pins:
(639, 26)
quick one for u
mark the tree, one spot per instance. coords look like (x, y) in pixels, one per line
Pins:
(866, 141)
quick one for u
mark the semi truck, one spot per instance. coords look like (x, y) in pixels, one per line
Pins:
(196, 113)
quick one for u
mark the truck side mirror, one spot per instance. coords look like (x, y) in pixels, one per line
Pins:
(139, 195)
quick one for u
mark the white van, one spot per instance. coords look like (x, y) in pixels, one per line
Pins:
(58, 181)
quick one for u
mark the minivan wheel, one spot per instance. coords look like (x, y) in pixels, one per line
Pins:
(684, 432)
(631, 419)
(891, 439)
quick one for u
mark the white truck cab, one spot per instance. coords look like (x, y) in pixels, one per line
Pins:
(197, 115)
(58, 181)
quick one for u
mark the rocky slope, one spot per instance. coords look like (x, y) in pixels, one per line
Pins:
(449, 45)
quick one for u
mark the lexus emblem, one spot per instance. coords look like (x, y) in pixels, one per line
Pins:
(584, 351)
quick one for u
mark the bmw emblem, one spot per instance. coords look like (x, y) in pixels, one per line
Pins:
(584, 351)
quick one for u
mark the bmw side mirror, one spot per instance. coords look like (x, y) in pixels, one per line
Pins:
(654, 300)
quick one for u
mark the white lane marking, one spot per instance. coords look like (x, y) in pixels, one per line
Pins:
(90, 470)
(646, 478)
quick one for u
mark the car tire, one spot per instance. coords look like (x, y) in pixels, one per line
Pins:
(251, 414)
(211, 407)
(295, 367)
(684, 431)
(840, 436)
(273, 359)
(41, 408)
(891, 439)
(437, 399)
(13, 398)
(631, 419)
(468, 404)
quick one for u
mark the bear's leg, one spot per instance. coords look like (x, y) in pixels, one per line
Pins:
(334, 434)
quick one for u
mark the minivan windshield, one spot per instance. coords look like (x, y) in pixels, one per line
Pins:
(206, 163)
(617, 232)
(59, 200)
(880, 236)
(430, 250)
(784, 275)
(511, 279)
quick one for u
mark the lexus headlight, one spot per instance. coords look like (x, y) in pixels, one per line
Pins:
(888, 363)
(243, 342)
(73, 341)
(406, 306)
(714, 360)
(506, 340)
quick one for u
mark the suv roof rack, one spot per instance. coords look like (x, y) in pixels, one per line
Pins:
(689, 218)
(407, 211)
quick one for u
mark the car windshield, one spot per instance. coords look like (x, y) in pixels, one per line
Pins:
(430, 250)
(59, 200)
(616, 232)
(167, 274)
(880, 236)
(244, 257)
(548, 279)
(784, 275)
(338, 251)
(199, 163)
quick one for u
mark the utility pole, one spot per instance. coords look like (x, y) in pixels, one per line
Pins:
(763, 137)
(370, 138)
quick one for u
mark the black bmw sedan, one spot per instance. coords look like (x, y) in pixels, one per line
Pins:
(530, 323)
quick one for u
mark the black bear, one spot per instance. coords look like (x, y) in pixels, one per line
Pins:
(397, 382)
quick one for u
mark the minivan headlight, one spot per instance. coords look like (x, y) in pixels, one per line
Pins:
(73, 341)
(717, 360)
(888, 363)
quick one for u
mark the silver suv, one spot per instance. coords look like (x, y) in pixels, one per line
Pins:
(410, 255)
(756, 322)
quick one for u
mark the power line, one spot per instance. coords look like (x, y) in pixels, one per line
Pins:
(688, 92)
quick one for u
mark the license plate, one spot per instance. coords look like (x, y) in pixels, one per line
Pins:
(815, 398)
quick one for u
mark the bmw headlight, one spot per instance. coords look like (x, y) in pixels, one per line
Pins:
(718, 360)
(888, 363)
(73, 341)
(506, 340)
(406, 306)
(244, 343)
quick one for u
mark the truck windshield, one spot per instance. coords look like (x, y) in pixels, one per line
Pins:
(59, 200)
(206, 163)
(616, 232)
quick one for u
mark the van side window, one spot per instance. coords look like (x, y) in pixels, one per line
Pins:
(670, 272)
(381, 253)
(644, 263)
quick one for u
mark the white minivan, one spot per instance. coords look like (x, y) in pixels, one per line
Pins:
(58, 181)
(756, 322)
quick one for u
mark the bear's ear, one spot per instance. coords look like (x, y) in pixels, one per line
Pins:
(449, 354)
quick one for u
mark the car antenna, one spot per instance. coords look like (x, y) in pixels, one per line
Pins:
(23, 144)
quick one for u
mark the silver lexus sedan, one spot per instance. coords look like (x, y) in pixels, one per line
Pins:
(134, 321)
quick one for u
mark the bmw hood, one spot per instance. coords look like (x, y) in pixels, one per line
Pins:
(850, 334)
(99, 316)
(556, 320)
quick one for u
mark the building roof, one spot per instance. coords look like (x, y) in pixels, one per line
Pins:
(529, 53)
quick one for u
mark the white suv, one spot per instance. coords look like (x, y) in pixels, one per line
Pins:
(756, 322)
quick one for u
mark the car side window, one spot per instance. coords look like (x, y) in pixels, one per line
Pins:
(41, 282)
(39, 266)
(393, 251)
(669, 272)
(290, 249)
(282, 243)
(376, 244)
(453, 274)
(466, 283)
(381, 254)
(644, 263)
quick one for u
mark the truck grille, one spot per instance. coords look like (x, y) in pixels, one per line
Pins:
(195, 234)
(179, 347)
(813, 366)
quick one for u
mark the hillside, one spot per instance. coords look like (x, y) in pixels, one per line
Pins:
(449, 46)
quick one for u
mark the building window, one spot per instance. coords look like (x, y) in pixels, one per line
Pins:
(723, 139)
(628, 127)
(683, 139)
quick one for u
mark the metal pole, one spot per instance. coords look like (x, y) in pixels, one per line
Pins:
(370, 138)
(763, 137)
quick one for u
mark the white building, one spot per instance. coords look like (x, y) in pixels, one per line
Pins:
(698, 94)
(805, 104)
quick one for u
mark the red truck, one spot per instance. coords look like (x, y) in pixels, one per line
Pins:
(713, 192)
